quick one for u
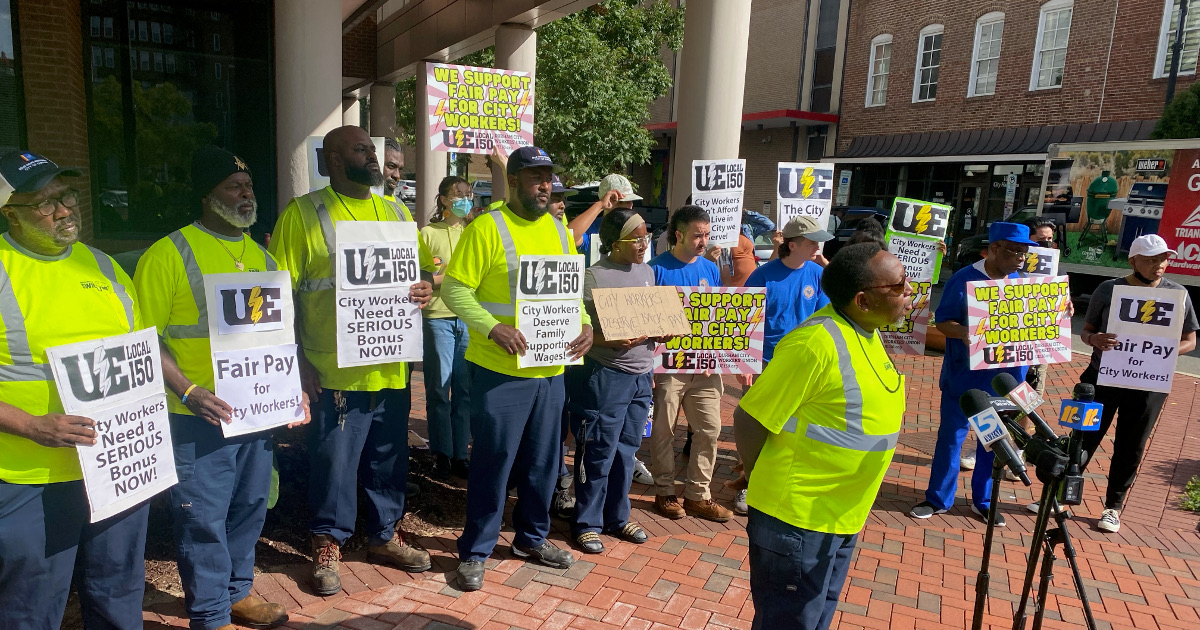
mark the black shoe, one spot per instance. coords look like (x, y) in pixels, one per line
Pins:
(687, 445)
(590, 542)
(460, 468)
(411, 489)
(547, 554)
(441, 466)
(563, 504)
(470, 575)
(632, 532)
(982, 513)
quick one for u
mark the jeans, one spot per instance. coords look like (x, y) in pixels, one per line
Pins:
(447, 387)
(1139, 411)
(796, 575)
(45, 536)
(218, 508)
(943, 474)
(363, 440)
(517, 427)
(608, 414)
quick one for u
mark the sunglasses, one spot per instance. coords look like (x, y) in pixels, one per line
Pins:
(892, 289)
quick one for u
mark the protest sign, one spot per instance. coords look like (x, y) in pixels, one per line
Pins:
(1041, 261)
(632, 312)
(910, 335)
(919, 218)
(376, 263)
(252, 339)
(1148, 323)
(557, 277)
(914, 232)
(1018, 321)
(549, 326)
(117, 382)
(473, 110)
(922, 257)
(804, 189)
(726, 335)
(718, 186)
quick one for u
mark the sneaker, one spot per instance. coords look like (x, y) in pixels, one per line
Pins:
(327, 561)
(400, 554)
(460, 468)
(255, 612)
(1110, 521)
(707, 509)
(547, 554)
(925, 509)
(632, 532)
(563, 504)
(1036, 507)
(967, 462)
(641, 474)
(983, 514)
(739, 503)
(669, 506)
(590, 542)
(441, 466)
(470, 575)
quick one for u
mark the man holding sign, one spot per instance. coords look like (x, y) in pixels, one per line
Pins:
(1138, 402)
(517, 249)
(56, 291)
(220, 503)
(360, 433)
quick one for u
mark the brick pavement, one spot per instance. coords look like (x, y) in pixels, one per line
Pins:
(694, 574)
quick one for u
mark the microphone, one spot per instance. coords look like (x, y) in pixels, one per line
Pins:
(1081, 413)
(989, 428)
(1026, 399)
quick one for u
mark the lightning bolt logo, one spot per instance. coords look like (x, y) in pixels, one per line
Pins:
(712, 178)
(923, 219)
(458, 138)
(100, 369)
(441, 108)
(1031, 263)
(1000, 354)
(369, 259)
(1147, 310)
(806, 182)
(678, 360)
(255, 301)
(982, 327)
(542, 275)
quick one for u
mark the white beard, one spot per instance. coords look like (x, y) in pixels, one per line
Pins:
(230, 213)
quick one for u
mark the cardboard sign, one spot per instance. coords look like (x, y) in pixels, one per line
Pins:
(473, 110)
(1018, 321)
(117, 382)
(1148, 323)
(549, 326)
(376, 264)
(629, 313)
(922, 257)
(551, 277)
(988, 427)
(718, 186)
(726, 334)
(804, 189)
(1041, 261)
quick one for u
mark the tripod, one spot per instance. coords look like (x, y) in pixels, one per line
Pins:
(983, 579)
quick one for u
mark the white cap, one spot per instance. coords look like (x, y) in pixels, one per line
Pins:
(6, 190)
(619, 183)
(1149, 245)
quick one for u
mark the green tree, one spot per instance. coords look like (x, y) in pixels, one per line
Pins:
(598, 70)
(1181, 118)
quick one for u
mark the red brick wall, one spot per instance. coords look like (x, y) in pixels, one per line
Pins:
(359, 50)
(1131, 92)
(55, 101)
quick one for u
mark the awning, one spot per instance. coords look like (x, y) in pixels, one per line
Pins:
(771, 119)
(1009, 144)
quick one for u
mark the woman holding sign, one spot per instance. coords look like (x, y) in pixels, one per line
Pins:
(609, 397)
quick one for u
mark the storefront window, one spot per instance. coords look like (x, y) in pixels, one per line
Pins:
(12, 106)
(150, 110)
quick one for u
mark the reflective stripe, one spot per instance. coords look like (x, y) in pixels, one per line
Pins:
(312, 285)
(853, 438)
(318, 203)
(195, 277)
(29, 372)
(105, 264)
(512, 261)
(14, 322)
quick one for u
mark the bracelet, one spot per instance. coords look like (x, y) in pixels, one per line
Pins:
(183, 398)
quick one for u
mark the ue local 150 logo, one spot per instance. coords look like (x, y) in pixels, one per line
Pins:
(549, 277)
(924, 219)
(805, 183)
(1152, 312)
(105, 372)
(716, 177)
(370, 265)
(251, 306)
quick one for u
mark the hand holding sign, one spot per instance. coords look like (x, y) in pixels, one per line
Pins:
(59, 430)
(420, 293)
(508, 338)
(581, 344)
(208, 407)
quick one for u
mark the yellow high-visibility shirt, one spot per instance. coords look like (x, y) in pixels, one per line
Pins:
(50, 301)
(298, 245)
(168, 300)
(833, 402)
(441, 239)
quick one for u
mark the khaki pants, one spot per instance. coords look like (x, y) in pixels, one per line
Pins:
(700, 397)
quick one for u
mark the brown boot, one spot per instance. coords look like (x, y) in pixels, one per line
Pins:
(400, 554)
(255, 612)
(707, 509)
(327, 561)
(669, 506)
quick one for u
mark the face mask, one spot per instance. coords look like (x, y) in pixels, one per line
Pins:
(461, 207)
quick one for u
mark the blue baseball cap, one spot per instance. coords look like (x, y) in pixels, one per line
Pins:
(557, 188)
(530, 157)
(1013, 232)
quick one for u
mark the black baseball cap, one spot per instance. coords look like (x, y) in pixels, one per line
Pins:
(530, 157)
(26, 172)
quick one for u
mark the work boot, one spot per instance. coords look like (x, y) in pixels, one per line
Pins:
(707, 509)
(400, 554)
(441, 466)
(327, 561)
(547, 554)
(470, 575)
(563, 504)
(669, 506)
(460, 468)
(255, 612)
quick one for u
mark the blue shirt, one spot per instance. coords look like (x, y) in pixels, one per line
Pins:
(754, 224)
(670, 271)
(585, 247)
(792, 296)
(957, 375)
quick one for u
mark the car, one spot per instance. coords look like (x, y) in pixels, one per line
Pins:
(850, 217)
(407, 189)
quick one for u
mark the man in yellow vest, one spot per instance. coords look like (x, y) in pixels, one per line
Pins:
(360, 425)
(816, 434)
(515, 412)
(220, 503)
(54, 291)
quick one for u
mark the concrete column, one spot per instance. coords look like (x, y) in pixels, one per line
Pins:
(431, 165)
(383, 110)
(711, 82)
(308, 34)
(351, 112)
(516, 48)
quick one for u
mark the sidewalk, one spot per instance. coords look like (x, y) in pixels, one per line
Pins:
(694, 574)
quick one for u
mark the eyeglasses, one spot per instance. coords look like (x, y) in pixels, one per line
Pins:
(46, 207)
(641, 240)
(1014, 252)
(893, 289)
